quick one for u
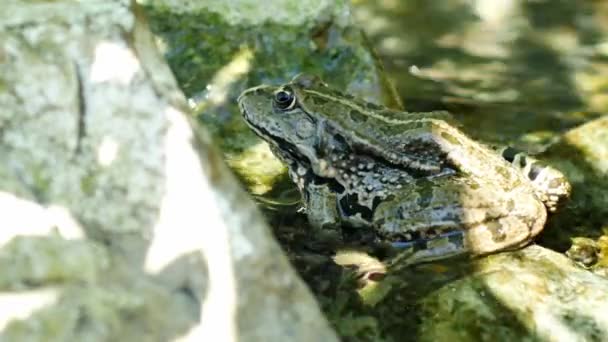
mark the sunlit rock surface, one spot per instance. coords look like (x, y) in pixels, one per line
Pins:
(119, 221)
(533, 294)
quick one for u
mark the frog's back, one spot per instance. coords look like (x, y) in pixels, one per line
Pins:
(404, 138)
(425, 142)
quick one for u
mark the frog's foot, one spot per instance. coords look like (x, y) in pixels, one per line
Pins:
(551, 186)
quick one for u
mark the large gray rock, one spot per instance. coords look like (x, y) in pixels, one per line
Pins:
(120, 221)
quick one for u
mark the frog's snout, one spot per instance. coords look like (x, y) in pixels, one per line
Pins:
(254, 100)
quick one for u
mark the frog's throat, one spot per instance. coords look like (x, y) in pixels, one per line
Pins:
(291, 154)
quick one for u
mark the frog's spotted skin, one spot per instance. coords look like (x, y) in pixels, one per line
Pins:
(413, 178)
(552, 187)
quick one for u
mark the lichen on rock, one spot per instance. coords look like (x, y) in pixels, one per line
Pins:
(122, 221)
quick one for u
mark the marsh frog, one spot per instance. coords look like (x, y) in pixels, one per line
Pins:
(412, 177)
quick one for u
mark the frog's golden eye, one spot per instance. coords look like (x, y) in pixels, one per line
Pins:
(284, 99)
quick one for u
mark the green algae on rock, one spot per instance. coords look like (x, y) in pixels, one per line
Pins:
(25, 261)
(532, 294)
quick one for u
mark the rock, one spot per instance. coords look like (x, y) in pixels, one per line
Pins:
(582, 228)
(581, 155)
(249, 12)
(584, 251)
(531, 294)
(120, 219)
(591, 139)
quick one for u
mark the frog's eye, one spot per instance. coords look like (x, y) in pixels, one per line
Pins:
(284, 99)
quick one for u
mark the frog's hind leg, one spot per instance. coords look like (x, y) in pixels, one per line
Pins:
(451, 215)
(550, 184)
(443, 245)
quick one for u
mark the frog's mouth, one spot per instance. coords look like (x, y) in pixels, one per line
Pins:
(290, 154)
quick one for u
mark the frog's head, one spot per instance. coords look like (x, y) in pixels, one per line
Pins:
(282, 116)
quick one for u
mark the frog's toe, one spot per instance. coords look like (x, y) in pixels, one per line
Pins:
(552, 187)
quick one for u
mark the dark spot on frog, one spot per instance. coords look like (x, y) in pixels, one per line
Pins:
(509, 154)
(318, 100)
(426, 154)
(456, 237)
(338, 94)
(420, 245)
(332, 184)
(425, 147)
(356, 116)
(349, 206)
(409, 239)
(350, 97)
(535, 170)
(523, 161)
(339, 140)
(373, 106)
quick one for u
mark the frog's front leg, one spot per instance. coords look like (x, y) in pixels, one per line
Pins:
(321, 206)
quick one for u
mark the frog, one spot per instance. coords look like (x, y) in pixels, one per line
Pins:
(414, 179)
